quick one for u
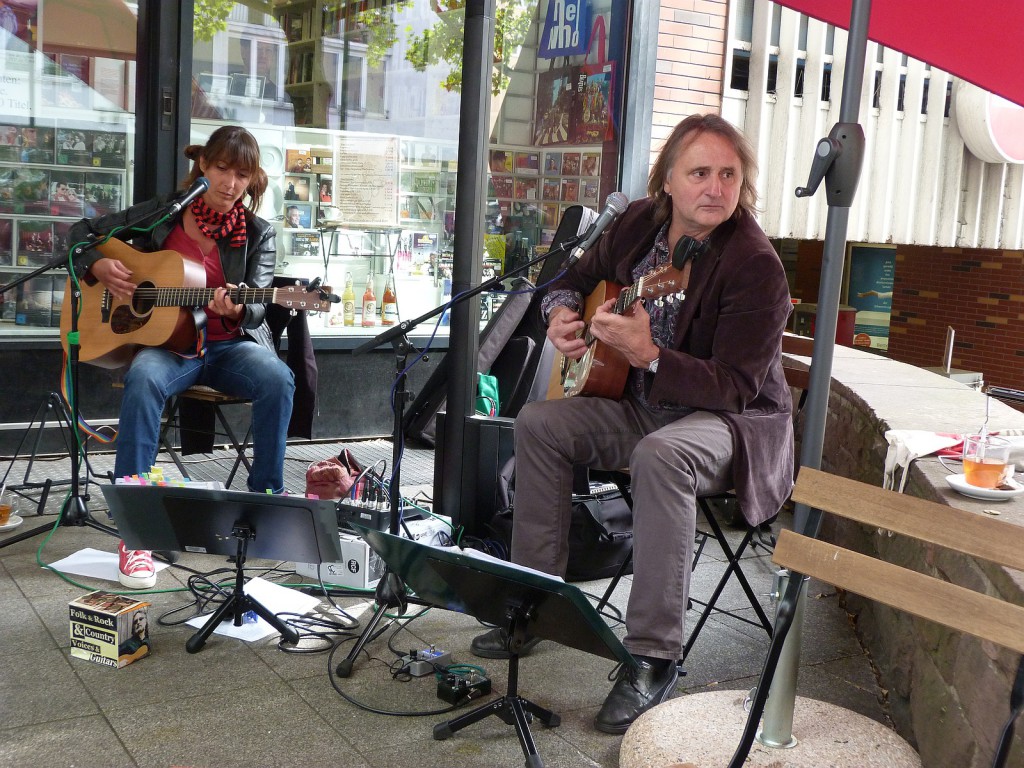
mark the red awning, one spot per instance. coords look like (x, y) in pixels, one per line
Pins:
(103, 28)
(977, 42)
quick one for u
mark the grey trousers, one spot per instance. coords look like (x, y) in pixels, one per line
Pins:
(671, 460)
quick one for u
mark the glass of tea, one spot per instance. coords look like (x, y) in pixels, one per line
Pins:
(986, 461)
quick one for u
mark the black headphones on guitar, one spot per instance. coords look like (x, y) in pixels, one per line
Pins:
(687, 248)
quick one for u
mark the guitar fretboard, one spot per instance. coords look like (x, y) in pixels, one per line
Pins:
(200, 297)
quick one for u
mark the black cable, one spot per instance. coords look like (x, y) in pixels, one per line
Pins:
(367, 708)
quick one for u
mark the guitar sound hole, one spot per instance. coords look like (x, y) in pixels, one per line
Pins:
(126, 318)
(144, 299)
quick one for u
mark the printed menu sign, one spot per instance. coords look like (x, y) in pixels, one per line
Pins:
(366, 181)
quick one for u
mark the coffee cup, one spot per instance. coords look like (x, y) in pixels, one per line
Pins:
(987, 461)
(5, 513)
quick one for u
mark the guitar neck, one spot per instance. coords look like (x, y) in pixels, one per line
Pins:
(627, 297)
(200, 297)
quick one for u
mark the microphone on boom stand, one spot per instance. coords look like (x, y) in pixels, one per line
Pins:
(614, 205)
(199, 187)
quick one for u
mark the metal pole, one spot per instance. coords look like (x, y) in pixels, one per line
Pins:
(467, 266)
(782, 700)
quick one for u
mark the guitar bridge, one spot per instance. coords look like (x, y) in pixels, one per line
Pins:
(105, 307)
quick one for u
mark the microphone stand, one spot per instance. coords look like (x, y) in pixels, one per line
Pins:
(391, 591)
(74, 511)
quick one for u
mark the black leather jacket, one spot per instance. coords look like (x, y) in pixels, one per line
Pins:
(252, 265)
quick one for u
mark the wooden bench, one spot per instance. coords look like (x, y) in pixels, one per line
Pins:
(925, 595)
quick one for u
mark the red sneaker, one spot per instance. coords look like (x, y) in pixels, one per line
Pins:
(135, 568)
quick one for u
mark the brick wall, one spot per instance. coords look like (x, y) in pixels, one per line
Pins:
(980, 293)
(691, 55)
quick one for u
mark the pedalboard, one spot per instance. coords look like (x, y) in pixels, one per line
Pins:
(456, 689)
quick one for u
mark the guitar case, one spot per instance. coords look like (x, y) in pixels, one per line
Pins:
(511, 344)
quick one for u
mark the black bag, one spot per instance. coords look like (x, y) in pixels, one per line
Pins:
(600, 531)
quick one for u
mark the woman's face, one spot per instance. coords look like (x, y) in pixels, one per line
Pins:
(227, 184)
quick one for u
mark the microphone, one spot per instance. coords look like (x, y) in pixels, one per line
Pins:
(199, 186)
(615, 204)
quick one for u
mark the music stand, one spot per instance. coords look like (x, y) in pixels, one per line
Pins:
(223, 522)
(526, 603)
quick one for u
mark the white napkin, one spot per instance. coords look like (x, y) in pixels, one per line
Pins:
(906, 445)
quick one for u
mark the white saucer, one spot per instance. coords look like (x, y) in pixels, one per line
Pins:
(12, 522)
(959, 484)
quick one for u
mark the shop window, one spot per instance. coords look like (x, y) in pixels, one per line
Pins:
(67, 133)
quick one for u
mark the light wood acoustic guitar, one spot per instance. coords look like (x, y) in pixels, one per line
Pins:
(166, 309)
(603, 370)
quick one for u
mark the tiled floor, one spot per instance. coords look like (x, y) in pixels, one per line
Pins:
(239, 704)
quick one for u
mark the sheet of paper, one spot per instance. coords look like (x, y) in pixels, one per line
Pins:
(480, 555)
(95, 564)
(274, 597)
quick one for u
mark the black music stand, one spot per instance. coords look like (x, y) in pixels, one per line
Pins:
(223, 522)
(526, 603)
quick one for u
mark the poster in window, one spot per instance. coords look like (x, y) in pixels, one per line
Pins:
(35, 242)
(35, 145)
(102, 193)
(296, 188)
(109, 149)
(73, 147)
(66, 193)
(31, 190)
(6, 240)
(872, 271)
(555, 105)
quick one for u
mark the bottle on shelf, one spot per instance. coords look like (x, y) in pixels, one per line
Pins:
(369, 304)
(389, 303)
(348, 301)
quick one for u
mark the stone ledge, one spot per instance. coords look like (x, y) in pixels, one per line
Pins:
(948, 693)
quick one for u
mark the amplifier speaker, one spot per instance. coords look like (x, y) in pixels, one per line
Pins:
(488, 445)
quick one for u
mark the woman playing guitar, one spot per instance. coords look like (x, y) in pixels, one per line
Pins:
(219, 231)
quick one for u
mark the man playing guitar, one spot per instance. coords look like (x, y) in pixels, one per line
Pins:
(705, 406)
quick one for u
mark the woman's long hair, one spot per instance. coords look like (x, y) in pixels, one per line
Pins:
(237, 148)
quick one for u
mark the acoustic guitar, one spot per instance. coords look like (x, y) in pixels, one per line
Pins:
(603, 370)
(166, 309)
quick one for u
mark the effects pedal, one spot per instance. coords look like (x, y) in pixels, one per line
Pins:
(426, 662)
(456, 689)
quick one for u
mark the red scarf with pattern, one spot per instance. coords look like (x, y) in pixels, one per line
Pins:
(217, 226)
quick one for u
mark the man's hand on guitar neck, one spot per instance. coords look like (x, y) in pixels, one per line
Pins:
(565, 330)
(114, 276)
(628, 332)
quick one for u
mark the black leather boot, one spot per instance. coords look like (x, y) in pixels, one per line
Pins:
(494, 645)
(636, 690)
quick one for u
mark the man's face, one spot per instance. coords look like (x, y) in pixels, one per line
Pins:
(704, 182)
(294, 217)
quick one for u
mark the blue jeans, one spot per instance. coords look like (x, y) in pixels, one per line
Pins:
(239, 367)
